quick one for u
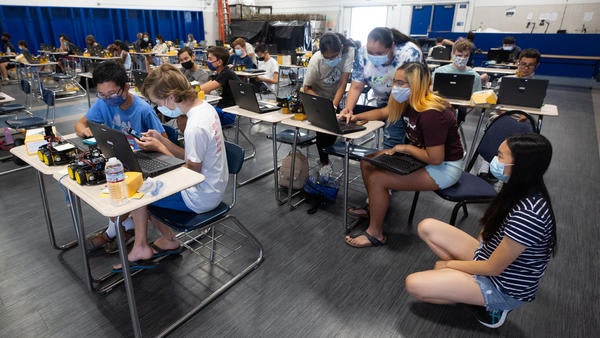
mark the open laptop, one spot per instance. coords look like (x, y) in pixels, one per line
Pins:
(398, 163)
(254, 71)
(498, 55)
(515, 91)
(321, 113)
(113, 143)
(454, 86)
(441, 52)
(245, 98)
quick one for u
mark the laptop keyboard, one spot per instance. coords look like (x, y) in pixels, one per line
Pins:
(345, 126)
(400, 161)
(151, 164)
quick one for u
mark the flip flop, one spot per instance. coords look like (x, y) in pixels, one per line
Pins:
(142, 264)
(159, 252)
(358, 212)
(372, 240)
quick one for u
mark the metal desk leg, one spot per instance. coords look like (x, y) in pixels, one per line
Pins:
(78, 223)
(87, 89)
(346, 167)
(475, 136)
(275, 176)
(135, 320)
(291, 182)
(539, 124)
(47, 218)
(247, 157)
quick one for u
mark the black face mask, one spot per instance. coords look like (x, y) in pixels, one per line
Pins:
(188, 64)
(261, 59)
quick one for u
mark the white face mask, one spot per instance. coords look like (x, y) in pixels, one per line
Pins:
(460, 61)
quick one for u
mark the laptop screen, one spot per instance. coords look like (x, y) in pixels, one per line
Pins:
(522, 92)
(454, 86)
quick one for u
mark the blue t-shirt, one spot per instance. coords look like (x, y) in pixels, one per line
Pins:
(139, 117)
(528, 223)
(238, 60)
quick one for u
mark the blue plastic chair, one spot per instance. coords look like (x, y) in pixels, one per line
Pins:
(471, 189)
(188, 223)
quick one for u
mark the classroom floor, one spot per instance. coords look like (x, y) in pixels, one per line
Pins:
(311, 283)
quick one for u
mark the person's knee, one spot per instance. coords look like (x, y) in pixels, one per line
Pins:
(425, 228)
(413, 286)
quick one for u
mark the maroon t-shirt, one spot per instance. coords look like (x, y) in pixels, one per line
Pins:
(433, 128)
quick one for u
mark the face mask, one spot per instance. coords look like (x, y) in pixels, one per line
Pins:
(497, 169)
(400, 94)
(460, 61)
(238, 52)
(146, 39)
(157, 41)
(261, 59)
(333, 62)
(210, 65)
(188, 64)
(115, 101)
(377, 60)
(190, 39)
(507, 47)
(172, 113)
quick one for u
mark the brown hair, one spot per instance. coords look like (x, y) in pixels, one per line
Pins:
(220, 53)
(462, 45)
(167, 80)
(239, 42)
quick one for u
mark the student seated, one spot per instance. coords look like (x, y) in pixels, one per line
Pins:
(118, 109)
(93, 47)
(217, 62)
(189, 67)
(460, 56)
(509, 44)
(119, 49)
(240, 55)
(204, 152)
(9, 50)
(501, 269)
(432, 133)
(269, 79)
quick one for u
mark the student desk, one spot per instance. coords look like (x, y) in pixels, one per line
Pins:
(371, 126)
(87, 76)
(495, 71)
(438, 61)
(5, 98)
(174, 182)
(290, 69)
(273, 118)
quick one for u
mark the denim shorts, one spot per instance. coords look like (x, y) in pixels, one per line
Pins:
(493, 298)
(173, 202)
(445, 174)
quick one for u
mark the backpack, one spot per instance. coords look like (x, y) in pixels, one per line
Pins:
(300, 171)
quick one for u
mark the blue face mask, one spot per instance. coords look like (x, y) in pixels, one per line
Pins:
(507, 47)
(172, 113)
(114, 101)
(333, 62)
(497, 169)
(210, 65)
(157, 41)
(377, 60)
(238, 52)
(400, 94)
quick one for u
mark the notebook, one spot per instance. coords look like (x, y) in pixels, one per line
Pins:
(245, 98)
(398, 163)
(454, 86)
(113, 143)
(498, 55)
(515, 91)
(321, 113)
(441, 53)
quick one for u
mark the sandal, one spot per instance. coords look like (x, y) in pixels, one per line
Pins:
(358, 212)
(372, 240)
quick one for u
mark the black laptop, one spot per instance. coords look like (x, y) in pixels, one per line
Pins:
(254, 71)
(441, 52)
(245, 98)
(498, 55)
(515, 91)
(113, 143)
(321, 113)
(454, 86)
(398, 163)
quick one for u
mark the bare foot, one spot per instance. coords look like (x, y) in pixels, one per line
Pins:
(166, 244)
(365, 239)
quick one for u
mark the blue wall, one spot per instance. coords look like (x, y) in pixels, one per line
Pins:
(38, 25)
(560, 44)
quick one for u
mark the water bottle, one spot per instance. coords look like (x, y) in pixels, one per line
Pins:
(115, 179)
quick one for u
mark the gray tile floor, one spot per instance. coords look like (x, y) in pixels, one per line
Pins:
(311, 283)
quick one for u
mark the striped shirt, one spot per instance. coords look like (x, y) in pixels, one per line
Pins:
(530, 224)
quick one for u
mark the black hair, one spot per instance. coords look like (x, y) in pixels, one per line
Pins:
(531, 154)
(120, 44)
(22, 43)
(108, 71)
(530, 53)
(439, 39)
(220, 53)
(6, 34)
(160, 37)
(388, 36)
(64, 37)
(330, 42)
(509, 40)
(261, 48)
(186, 50)
(471, 36)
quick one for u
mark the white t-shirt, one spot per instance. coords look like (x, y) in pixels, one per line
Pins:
(204, 144)
(270, 67)
(324, 80)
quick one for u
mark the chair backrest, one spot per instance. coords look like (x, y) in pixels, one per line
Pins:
(505, 125)
(26, 87)
(235, 160)
(49, 98)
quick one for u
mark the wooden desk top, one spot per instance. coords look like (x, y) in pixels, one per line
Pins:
(438, 60)
(545, 110)
(247, 74)
(495, 70)
(370, 127)
(270, 117)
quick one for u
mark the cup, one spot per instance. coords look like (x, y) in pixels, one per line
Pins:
(201, 95)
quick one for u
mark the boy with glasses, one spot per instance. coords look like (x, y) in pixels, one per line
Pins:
(117, 109)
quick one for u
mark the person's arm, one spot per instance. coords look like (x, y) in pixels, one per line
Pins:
(341, 89)
(430, 155)
(379, 114)
(308, 90)
(81, 128)
(353, 94)
(152, 140)
(507, 251)
(209, 86)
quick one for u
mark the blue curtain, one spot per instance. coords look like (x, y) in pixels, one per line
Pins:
(43, 25)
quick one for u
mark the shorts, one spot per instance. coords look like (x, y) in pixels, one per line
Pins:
(445, 174)
(173, 202)
(493, 298)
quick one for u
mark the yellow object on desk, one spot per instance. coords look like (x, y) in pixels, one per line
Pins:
(484, 96)
(133, 181)
(299, 116)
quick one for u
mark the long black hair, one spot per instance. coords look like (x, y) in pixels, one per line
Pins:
(334, 42)
(531, 154)
(388, 36)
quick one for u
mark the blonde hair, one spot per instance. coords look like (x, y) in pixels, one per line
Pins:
(165, 81)
(421, 97)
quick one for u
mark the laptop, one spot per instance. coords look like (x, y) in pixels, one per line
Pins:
(499, 55)
(515, 91)
(454, 86)
(245, 98)
(441, 53)
(139, 76)
(254, 71)
(398, 163)
(321, 113)
(113, 143)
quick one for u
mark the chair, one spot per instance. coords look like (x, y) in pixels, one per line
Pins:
(188, 223)
(32, 121)
(471, 189)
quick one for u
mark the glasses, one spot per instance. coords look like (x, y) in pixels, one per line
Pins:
(110, 96)
(527, 65)
(399, 83)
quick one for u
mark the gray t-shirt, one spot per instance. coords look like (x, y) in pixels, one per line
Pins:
(199, 75)
(324, 80)
(450, 69)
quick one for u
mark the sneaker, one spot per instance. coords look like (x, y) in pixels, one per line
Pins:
(492, 319)
(112, 246)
